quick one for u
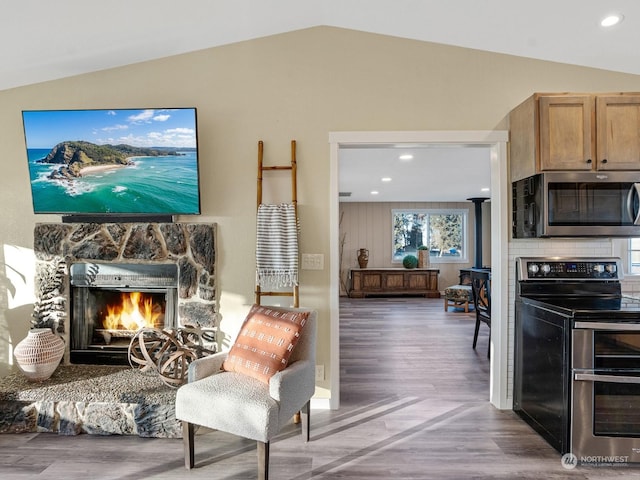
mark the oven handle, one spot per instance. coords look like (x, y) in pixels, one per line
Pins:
(596, 377)
(635, 327)
(632, 196)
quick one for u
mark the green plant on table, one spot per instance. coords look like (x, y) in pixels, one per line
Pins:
(410, 261)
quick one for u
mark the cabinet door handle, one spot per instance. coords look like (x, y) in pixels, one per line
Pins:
(633, 200)
(590, 377)
(608, 326)
(604, 160)
(588, 160)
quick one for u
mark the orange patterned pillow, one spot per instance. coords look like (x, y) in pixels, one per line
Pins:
(265, 342)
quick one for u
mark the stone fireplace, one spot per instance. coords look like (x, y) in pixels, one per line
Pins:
(82, 267)
(170, 264)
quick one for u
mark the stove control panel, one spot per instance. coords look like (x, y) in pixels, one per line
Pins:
(557, 268)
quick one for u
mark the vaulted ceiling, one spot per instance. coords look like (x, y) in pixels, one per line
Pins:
(45, 40)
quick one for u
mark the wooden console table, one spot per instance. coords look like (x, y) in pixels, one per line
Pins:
(394, 281)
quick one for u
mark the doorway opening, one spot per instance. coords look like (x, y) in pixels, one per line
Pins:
(496, 141)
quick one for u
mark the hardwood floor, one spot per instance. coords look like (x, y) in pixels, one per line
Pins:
(415, 405)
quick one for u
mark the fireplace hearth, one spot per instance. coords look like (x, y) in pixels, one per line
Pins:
(89, 399)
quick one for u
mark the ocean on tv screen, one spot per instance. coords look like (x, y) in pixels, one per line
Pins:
(160, 184)
(77, 165)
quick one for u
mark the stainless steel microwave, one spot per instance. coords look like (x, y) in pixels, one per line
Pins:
(577, 204)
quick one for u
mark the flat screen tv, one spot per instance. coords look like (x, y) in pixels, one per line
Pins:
(113, 162)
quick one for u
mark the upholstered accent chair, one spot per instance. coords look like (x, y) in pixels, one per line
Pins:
(249, 407)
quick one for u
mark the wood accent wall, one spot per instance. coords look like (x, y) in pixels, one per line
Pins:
(368, 225)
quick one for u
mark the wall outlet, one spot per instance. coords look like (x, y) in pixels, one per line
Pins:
(319, 372)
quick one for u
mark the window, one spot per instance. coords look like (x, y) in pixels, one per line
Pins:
(444, 232)
(634, 256)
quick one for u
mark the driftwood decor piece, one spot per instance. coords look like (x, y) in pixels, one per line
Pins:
(168, 353)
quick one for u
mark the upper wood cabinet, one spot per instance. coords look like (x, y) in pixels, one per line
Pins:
(575, 132)
(618, 131)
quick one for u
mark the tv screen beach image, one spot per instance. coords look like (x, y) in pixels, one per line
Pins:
(134, 161)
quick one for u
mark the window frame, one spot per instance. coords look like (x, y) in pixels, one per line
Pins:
(629, 256)
(464, 254)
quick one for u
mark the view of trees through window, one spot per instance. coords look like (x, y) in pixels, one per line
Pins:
(442, 231)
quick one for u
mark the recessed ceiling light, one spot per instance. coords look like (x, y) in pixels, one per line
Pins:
(611, 20)
(374, 192)
(485, 189)
(386, 179)
(406, 156)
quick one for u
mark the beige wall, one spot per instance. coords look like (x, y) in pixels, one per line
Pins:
(300, 85)
(368, 225)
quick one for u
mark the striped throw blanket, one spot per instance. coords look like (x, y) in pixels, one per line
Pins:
(277, 246)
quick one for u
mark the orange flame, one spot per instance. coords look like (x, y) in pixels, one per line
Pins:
(135, 311)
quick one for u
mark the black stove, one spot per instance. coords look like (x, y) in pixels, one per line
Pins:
(582, 288)
(577, 356)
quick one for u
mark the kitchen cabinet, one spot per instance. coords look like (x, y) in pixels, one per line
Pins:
(618, 132)
(575, 132)
(394, 281)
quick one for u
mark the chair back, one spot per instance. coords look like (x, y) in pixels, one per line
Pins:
(481, 288)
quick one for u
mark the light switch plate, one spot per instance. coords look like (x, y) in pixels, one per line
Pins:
(312, 261)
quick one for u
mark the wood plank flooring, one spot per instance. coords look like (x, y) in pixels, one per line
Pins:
(414, 406)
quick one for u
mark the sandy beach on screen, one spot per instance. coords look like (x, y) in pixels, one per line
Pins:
(98, 168)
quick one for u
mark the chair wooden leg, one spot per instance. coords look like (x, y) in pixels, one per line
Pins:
(305, 416)
(263, 460)
(475, 335)
(188, 434)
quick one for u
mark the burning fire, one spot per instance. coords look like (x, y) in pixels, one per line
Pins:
(134, 312)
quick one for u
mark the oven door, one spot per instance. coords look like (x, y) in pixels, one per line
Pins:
(605, 418)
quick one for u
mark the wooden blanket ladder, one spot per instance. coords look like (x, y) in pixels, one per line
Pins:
(294, 200)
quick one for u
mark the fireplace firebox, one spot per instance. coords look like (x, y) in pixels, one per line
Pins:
(111, 302)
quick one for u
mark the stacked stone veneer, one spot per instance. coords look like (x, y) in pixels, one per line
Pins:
(91, 399)
(108, 400)
(189, 245)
